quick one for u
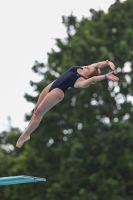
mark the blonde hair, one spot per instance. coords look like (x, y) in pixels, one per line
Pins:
(96, 72)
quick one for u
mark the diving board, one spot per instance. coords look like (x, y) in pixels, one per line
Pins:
(10, 180)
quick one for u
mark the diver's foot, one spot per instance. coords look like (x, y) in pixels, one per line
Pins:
(21, 141)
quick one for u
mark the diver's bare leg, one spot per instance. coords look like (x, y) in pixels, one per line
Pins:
(50, 100)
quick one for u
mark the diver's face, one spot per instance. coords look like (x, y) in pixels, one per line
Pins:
(88, 70)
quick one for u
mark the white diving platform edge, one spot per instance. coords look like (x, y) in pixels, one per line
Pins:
(10, 180)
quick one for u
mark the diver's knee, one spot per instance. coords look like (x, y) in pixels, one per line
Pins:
(38, 112)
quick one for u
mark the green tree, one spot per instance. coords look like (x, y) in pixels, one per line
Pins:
(8, 156)
(83, 146)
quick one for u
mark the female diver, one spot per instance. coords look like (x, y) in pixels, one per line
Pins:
(75, 77)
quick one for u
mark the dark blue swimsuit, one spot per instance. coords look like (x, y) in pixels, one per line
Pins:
(66, 80)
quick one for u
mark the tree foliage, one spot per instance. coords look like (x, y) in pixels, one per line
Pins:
(83, 146)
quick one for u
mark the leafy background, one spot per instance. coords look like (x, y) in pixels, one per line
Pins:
(84, 145)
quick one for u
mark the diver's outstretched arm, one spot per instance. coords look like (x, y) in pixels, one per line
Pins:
(103, 64)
